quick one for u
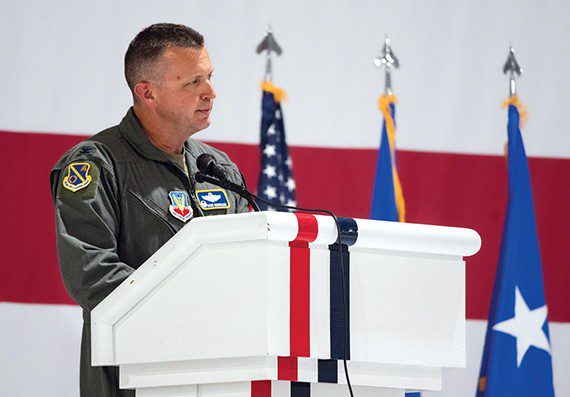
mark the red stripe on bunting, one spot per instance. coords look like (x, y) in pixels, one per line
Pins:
(287, 368)
(300, 265)
(261, 388)
(299, 297)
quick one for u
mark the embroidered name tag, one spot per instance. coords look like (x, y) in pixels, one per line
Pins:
(214, 199)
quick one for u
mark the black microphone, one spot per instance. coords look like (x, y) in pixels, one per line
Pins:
(207, 164)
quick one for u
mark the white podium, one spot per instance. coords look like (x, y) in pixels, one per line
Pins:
(252, 305)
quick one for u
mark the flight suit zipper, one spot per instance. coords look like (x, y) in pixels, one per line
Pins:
(195, 199)
(154, 212)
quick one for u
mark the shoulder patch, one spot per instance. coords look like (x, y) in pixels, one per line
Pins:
(77, 176)
(213, 199)
(81, 177)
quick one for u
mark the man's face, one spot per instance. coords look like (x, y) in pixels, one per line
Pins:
(184, 93)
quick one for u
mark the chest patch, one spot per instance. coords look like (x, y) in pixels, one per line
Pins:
(180, 206)
(77, 176)
(214, 199)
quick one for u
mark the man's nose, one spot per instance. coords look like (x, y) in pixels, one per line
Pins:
(209, 92)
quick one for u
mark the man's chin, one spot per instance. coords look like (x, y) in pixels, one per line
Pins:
(205, 124)
(199, 127)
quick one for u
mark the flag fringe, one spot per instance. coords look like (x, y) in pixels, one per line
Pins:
(278, 93)
(516, 102)
(384, 103)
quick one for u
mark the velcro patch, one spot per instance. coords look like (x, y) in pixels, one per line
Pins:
(213, 199)
(180, 206)
(77, 176)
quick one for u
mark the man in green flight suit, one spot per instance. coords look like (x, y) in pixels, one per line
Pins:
(121, 194)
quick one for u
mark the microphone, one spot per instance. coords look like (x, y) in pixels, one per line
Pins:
(212, 172)
(207, 164)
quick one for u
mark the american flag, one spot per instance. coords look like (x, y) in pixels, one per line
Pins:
(276, 183)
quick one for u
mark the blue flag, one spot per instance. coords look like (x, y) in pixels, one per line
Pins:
(517, 359)
(275, 183)
(387, 197)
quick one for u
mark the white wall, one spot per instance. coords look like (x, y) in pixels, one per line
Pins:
(62, 68)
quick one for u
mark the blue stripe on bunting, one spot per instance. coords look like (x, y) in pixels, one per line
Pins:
(337, 326)
(300, 389)
(328, 371)
(348, 236)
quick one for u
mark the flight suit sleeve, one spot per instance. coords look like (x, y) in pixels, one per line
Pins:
(87, 216)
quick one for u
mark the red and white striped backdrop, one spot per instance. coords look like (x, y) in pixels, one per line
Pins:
(62, 80)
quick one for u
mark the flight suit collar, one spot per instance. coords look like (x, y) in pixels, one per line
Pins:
(132, 130)
(191, 155)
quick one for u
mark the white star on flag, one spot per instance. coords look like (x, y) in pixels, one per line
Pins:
(269, 150)
(289, 162)
(291, 184)
(271, 130)
(291, 203)
(270, 171)
(526, 327)
(270, 192)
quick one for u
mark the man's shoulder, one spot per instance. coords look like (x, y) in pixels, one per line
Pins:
(108, 137)
(95, 148)
(84, 163)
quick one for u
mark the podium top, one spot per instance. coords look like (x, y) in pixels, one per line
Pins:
(273, 227)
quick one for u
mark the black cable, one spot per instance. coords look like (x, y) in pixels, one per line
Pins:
(345, 309)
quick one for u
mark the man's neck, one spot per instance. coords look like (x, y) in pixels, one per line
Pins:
(160, 137)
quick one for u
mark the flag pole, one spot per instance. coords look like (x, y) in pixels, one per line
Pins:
(517, 356)
(512, 69)
(270, 46)
(387, 60)
(387, 196)
(275, 183)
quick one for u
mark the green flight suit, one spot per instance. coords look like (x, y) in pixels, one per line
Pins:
(113, 211)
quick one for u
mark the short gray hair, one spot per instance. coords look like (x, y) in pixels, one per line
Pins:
(148, 46)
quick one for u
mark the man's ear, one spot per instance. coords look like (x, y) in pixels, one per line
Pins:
(144, 93)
